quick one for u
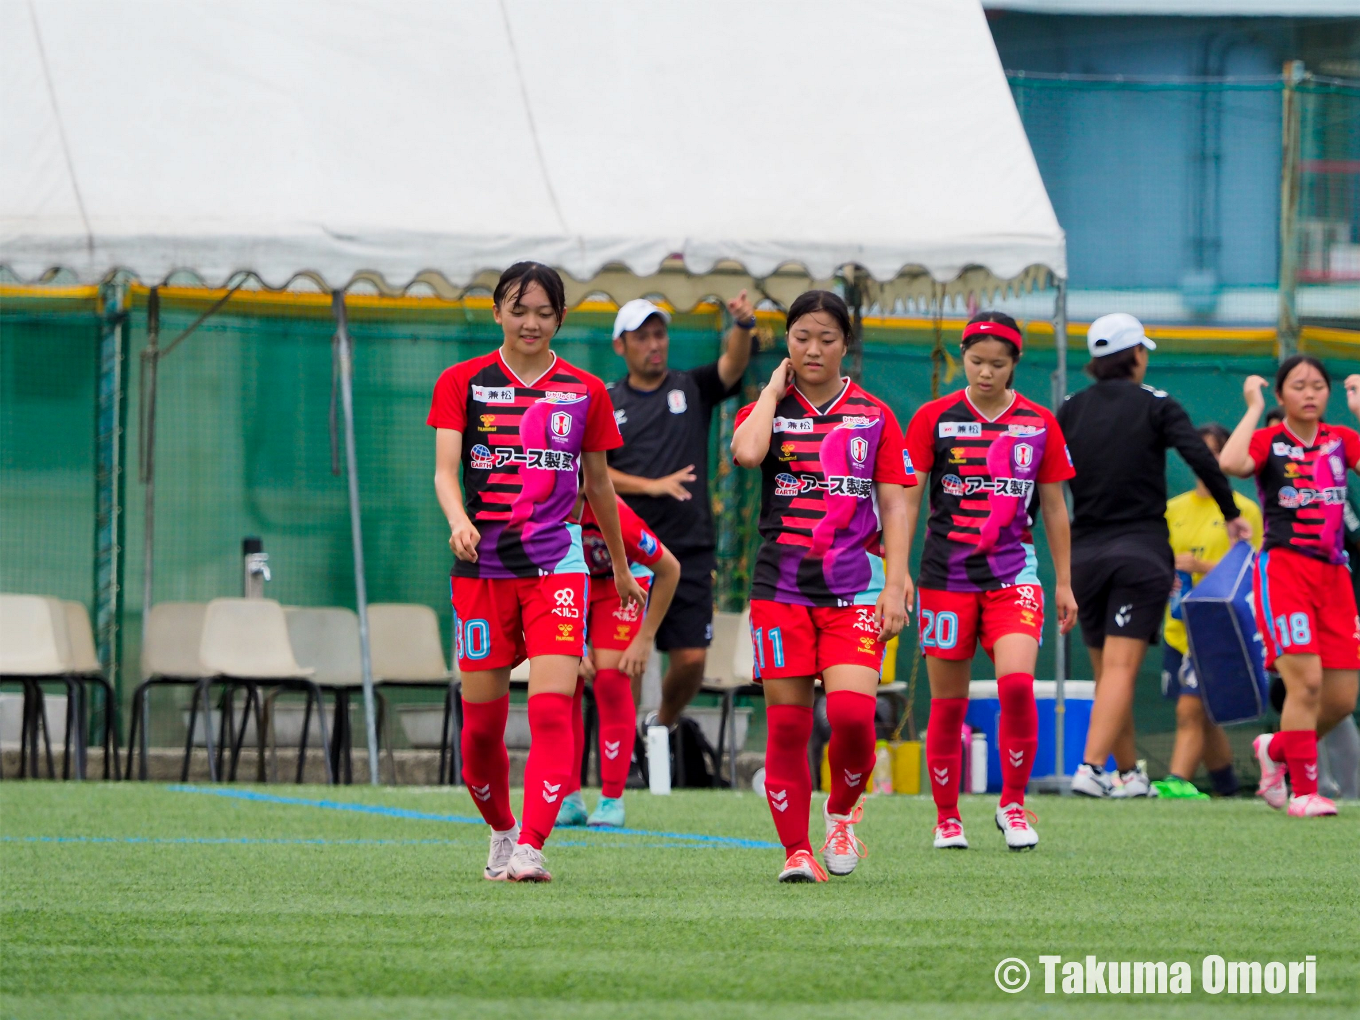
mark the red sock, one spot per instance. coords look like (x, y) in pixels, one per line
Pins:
(944, 748)
(549, 766)
(852, 747)
(788, 778)
(1276, 748)
(1019, 734)
(578, 738)
(618, 724)
(1300, 750)
(486, 763)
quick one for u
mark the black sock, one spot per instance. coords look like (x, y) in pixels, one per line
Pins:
(1224, 781)
(1094, 768)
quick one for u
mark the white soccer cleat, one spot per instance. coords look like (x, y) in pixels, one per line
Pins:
(502, 846)
(1310, 805)
(1013, 821)
(949, 835)
(802, 867)
(526, 865)
(1090, 783)
(1271, 789)
(1134, 783)
(842, 849)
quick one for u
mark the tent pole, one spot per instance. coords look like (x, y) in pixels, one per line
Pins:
(150, 366)
(1060, 645)
(356, 526)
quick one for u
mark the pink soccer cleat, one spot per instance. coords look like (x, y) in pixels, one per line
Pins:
(802, 867)
(1272, 788)
(1311, 805)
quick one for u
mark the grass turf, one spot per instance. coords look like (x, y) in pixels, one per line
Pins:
(137, 900)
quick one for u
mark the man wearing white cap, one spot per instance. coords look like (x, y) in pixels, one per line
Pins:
(1117, 433)
(661, 471)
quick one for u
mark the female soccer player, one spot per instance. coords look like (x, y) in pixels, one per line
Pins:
(830, 583)
(620, 639)
(1305, 606)
(990, 454)
(514, 427)
(1199, 539)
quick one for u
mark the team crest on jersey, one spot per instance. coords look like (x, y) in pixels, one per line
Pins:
(1024, 454)
(481, 457)
(785, 484)
(952, 484)
(961, 429)
(793, 425)
(647, 543)
(676, 401)
(561, 423)
(859, 449)
(493, 394)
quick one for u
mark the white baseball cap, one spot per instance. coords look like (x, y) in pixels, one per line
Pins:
(635, 313)
(1116, 332)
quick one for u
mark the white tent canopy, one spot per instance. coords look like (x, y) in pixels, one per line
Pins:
(440, 141)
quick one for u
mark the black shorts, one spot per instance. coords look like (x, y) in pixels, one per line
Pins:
(1122, 584)
(689, 621)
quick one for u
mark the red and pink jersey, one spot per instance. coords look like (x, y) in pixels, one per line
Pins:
(522, 446)
(1302, 488)
(818, 505)
(983, 478)
(642, 546)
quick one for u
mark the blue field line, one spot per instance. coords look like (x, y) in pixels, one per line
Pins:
(299, 841)
(427, 816)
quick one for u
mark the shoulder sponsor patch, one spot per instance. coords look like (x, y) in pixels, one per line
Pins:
(906, 463)
(493, 394)
(793, 424)
(647, 543)
(961, 429)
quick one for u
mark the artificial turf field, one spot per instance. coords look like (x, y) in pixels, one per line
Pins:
(138, 900)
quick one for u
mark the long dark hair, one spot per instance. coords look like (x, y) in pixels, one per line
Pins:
(513, 282)
(821, 301)
(1005, 320)
(1294, 361)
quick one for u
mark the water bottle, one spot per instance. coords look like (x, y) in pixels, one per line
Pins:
(978, 763)
(883, 769)
(659, 759)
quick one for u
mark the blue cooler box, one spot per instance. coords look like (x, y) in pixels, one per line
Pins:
(984, 714)
(1225, 646)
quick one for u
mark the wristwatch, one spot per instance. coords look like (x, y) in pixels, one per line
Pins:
(746, 323)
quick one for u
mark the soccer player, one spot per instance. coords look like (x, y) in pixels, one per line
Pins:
(993, 457)
(1118, 432)
(514, 428)
(830, 583)
(1305, 606)
(620, 639)
(661, 471)
(1199, 539)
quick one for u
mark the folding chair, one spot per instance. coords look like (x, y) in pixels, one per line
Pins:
(87, 671)
(728, 672)
(408, 652)
(326, 641)
(36, 649)
(174, 631)
(245, 644)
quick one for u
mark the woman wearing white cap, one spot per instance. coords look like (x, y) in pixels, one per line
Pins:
(1118, 432)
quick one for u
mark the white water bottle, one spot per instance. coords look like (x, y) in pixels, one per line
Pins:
(659, 759)
(978, 763)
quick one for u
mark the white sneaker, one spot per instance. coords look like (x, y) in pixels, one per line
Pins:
(1090, 783)
(949, 835)
(1310, 805)
(1134, 783)
(1271, 789)
(842, 849)
(1013, 822)
(526, 865)
(502, 846)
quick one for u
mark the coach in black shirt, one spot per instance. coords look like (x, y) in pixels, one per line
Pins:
(661, 471)
(1118, 432)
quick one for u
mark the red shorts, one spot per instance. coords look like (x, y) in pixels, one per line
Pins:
(500, 621)
(1305, 606)
(791, 640)
(610, 626)
(951, 622)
